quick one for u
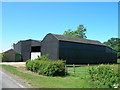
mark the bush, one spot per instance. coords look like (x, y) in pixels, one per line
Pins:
(104, 77)
(46, 67)
(29, 64)
(36, 66)
(52, 68)
(44, 58)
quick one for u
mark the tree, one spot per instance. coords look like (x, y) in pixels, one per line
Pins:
(2, 55)
(114, 43)
(80, 32)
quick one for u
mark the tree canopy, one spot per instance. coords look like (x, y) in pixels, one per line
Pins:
(114, 43)
(80, 32)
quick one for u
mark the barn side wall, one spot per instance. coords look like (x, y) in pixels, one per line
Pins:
(79, 53)
(50, 46)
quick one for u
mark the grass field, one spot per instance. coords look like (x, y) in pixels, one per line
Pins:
(118, 61)
(69, 81)
(78, 79)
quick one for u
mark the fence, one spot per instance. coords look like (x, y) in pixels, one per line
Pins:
(75, 69)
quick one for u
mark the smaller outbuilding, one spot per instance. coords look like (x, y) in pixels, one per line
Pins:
(11, 56)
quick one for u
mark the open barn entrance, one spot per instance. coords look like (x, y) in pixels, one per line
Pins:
(35, 52)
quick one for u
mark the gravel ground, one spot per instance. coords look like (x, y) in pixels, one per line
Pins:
(17, 64)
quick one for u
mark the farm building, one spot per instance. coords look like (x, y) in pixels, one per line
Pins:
(73, 50)
(77, 50)
(27, 48)
(11, 56)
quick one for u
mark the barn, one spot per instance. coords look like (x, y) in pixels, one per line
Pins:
(73, 50)
(77, 50)
(11, 56)
(28, 48)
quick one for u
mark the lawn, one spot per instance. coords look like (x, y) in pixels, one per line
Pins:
(118, 61)
(69, 81)
(78, 79)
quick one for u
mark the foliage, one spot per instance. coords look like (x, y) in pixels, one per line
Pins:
(43, 57)
(104, 77)
(46, 67)
(29, 65)
(80, 32)
(52, 68)
(114, 43)
(2, 55)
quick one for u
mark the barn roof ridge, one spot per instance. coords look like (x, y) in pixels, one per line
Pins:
(75, 39)
(31, 40)
(28, 40)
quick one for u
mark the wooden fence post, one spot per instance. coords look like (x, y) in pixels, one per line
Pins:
(65, 69)
(74, 68)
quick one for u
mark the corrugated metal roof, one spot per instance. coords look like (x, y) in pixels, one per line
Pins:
(78, 40)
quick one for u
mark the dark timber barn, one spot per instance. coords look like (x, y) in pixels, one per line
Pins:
(73, 50)
(77, 50)
(26, 47)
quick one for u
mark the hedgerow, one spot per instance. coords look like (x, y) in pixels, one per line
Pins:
(46, 67)
(104, 77)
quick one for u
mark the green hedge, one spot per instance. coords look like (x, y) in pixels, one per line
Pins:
(46, 67)
(104, 77)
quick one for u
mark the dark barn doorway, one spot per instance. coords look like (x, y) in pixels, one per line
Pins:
(35, 52)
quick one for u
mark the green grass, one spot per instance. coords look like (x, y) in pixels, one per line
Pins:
(118, 61)
(69, 81)
(79, 79)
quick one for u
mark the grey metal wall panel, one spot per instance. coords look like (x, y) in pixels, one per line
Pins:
(85, 53)
(50, 46)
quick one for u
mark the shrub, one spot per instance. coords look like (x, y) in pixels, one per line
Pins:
(36, 66)
(104, 77)
(44, 57)
(29, 64)
(46, 67)
(52, 68)
(2, 56)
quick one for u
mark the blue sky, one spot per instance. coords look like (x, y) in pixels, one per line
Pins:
(33, 20)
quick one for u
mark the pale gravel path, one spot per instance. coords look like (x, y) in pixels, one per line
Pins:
(17, 64)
